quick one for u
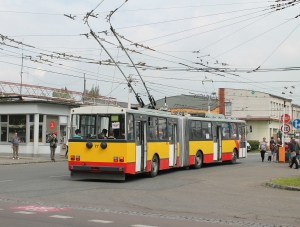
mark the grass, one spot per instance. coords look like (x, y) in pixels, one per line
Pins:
(294, 182)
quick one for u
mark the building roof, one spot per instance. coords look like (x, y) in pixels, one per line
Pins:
(199, 102)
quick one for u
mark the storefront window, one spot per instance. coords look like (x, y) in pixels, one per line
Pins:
(3, 128)
(17, 123)
(31, 120)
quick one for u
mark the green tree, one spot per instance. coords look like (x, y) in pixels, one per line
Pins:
(63, 93)
(95, 91)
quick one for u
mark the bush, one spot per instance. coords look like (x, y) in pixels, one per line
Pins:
(254, 145)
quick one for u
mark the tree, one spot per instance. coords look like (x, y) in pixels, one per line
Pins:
(95, 91)
(63, 93)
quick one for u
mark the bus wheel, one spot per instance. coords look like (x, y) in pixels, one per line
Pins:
(198, 160)
(234, 157)
(154, 166)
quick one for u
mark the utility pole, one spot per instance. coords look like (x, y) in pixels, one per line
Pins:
(283, 116)
(84, 84)
(21, 74)
(129, 90)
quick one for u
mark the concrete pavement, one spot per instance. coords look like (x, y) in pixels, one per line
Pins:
(7, 160)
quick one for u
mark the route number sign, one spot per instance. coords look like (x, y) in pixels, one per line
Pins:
(287, 128)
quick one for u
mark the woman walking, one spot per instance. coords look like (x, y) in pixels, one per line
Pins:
(53, 144)
(263, 147)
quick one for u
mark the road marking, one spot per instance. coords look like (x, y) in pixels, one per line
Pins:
(24, 212)
(59, 216)
(143, 225)
(35, 208)
(1, 209)
(101, 221)
(5, 181)
(61, 176)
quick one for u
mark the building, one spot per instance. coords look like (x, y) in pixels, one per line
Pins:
(37, 113)
(262, 112)
(193, 104)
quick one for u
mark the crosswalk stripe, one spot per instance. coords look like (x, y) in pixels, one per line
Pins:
(101, 221)
(24, 212)
(59, 216)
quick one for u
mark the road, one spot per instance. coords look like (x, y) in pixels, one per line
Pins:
(216, 195)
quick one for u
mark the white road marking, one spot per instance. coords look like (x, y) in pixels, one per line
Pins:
(24, 212)
(1, 209)
(5, 181)
(143, 225)
(100, 221)
(61, 176)
(59, 216)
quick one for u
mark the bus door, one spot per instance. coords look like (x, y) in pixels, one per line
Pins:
(243, 142)
(141, 146)
(218, 143)
(172, 128)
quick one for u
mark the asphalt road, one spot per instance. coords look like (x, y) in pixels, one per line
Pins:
(215, 195)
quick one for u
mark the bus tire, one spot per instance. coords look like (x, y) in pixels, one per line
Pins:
(154, 166)
(198, 160)
(234, 157)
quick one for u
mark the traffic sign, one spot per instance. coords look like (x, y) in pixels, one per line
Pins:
(296, 123)
(285, 118)
(287, 128)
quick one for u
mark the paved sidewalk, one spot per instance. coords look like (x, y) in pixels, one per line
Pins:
(7, 160)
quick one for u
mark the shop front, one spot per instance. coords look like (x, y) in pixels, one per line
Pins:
(34, 121)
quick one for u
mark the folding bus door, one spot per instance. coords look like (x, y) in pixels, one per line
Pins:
(141, 146)
(218, 143)
(172, 128)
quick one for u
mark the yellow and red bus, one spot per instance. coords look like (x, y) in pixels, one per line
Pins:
(148, 141)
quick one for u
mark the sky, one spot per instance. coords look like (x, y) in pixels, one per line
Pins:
(182, 47)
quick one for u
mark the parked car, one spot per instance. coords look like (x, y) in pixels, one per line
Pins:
(248, 147)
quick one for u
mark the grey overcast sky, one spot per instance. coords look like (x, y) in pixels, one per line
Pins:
(199, 46)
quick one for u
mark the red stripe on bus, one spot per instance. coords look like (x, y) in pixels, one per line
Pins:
(226, 156)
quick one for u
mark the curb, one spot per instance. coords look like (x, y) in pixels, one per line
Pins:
(284, 187)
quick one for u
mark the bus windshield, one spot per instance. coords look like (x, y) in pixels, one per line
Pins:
(96, 126)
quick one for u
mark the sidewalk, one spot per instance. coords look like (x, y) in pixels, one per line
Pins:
(7, 160)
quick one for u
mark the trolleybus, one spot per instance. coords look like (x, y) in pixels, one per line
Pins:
(147, 141)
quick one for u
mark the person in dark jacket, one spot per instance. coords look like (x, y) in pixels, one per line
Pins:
(294, 147)
(53, 144)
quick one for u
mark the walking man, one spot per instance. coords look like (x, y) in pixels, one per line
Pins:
(15, 146)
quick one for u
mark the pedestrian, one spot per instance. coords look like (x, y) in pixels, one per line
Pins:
(289, 150)
(272, 148)
(15, 145)
(294, 153)
(279, 144)
(262, 147)
(53, 144)
(269, 155)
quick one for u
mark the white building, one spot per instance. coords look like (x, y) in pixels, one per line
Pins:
(33, 121)
(262, 112)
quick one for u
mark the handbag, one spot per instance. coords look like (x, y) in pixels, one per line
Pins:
(293, 154)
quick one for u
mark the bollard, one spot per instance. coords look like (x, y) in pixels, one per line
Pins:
(281, 154)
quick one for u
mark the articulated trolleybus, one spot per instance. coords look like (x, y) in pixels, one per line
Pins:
(147, 141)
